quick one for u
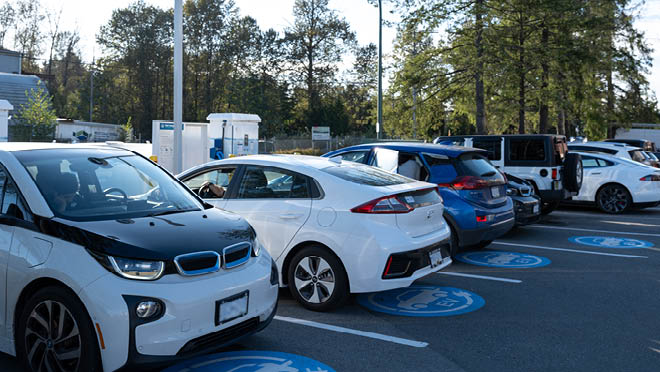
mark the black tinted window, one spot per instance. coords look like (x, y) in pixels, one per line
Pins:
(12, 202)
(527, 149)
(493, 146)
(478, 166)
(356, 156)
(268, 183)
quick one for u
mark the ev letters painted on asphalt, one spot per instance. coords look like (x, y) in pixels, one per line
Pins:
(610, 242)
(422, 301)
(502, 259)
(251, 361)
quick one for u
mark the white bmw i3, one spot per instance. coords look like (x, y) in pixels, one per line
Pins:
(108, 262)
(333, 227)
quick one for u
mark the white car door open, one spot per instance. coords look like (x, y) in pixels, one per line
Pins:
(276, 202)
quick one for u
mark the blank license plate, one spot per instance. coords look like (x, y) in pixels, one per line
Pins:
(231, 308)
(536, 208)
(495, 190)
(436, 258)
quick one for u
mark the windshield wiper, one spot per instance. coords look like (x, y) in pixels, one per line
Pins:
(163, 213)
(488, 174)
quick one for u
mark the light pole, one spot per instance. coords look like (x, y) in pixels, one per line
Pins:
(178, 86)
(380, 68)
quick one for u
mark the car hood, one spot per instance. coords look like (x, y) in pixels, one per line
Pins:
(155, 238)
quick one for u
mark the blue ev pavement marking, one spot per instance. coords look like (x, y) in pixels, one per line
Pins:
(503, 259)
(611, 242)
(422, 301)
(251, 361)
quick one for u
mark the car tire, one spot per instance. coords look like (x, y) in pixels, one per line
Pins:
(481, 245)
(317, 279)
(573, 172)
(613, 199)
(549, 207)
(68, 340)
(453, 242)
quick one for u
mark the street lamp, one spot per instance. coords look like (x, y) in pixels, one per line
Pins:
(178, 86)
(380, 68)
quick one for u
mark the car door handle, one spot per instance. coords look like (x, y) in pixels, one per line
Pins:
(290, 216)
(595, 173)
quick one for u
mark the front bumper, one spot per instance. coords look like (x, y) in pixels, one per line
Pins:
(187, 328)
(523, 208)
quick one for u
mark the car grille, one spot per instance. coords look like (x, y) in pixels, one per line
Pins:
(236, 255)
(197, 263)
(218, 339)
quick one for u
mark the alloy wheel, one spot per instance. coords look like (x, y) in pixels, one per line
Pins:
(52, 339)
(314, 279)
(613, 199)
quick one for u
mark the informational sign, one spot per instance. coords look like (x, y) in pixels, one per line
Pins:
(251, 361)
(502, 259)
(320, 133)
(610, 242)
(423, 301)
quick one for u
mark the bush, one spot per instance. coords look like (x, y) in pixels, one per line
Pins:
(310, 151)
(35, 120)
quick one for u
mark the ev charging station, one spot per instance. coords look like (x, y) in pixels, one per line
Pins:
(226, 135)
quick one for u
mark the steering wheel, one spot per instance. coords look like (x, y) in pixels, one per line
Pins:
(118, 190)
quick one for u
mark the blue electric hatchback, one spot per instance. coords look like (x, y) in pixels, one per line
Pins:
(474, 191)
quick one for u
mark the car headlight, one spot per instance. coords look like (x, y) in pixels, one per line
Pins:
(256, 247)
(511, 192)
(137, 269)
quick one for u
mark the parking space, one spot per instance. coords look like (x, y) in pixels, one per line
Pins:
(535, 299)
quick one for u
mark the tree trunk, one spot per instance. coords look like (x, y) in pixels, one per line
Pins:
(543, 111)
(521, 82)
(478, 75)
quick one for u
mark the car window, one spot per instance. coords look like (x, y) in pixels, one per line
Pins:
(637, 155)
(221, 177)
(527, 149)
(588, 162)
(267, 183)
(12, 201)
(356, 156)
(366, 175)
(441, 166)
(96, 185)
(493, 146)
(472, 164)
(604, 163)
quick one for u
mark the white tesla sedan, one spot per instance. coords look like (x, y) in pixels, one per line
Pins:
(616, 184)
(332, 226)
(108, 262)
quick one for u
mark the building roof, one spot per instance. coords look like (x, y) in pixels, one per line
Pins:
(13, 88)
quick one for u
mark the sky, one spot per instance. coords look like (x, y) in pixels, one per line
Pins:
(88, 15)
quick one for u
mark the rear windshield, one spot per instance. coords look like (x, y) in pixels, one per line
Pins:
(366, 175)
(477, 166)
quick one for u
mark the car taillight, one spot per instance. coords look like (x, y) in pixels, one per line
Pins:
(554, 174)
(466, 183)
(651, 177)
(386, 204)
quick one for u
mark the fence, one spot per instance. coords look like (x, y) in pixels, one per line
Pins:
(31, 133)
(284, 144)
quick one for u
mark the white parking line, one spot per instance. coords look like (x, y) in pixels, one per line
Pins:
(567, 250)
(377, 336)
(480, 277)
(587, 230)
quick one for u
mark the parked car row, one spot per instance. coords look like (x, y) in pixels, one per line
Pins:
(113, 263)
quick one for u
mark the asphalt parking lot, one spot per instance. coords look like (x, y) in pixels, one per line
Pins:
(583, 305)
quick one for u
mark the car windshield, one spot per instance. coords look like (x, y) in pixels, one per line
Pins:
(366, 175)
(93, 185)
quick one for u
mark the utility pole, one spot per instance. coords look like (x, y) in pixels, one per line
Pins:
(414, 89)
(380, 68)
(91, 90)
(178, 86)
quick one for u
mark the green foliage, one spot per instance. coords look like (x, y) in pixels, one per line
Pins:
(126, 131)
(37, 115)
